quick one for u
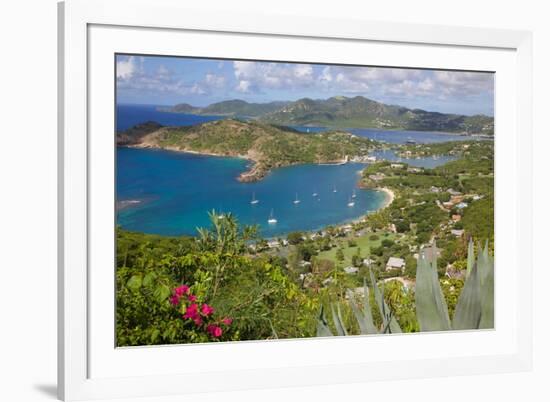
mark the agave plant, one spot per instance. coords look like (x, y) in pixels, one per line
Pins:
(363, 316)
(475, 306)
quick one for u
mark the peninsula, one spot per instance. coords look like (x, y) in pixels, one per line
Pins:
(267, 146)
(344, 112)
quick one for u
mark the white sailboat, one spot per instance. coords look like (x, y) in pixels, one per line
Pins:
(351, 203)
(334, 190)
(314, 193)
(254, 200)
(353, 195)
(271, 219)
(296, 200)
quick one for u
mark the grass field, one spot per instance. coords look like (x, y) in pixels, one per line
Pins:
(363, 242)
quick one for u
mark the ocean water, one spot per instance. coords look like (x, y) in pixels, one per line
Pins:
(130, 115)
(175, 191)
(170, 193)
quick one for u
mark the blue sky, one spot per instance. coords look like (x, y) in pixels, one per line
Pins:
(199, 82)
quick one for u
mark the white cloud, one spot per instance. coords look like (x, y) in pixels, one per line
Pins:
(258, 76)
(131, 75)
(326, 75)
(243, 86)
(125, 69)
(214, 81)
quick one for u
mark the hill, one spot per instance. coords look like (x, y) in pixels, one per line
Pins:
(235, 107)
(266, 145)
(363, 112)
(341, 111)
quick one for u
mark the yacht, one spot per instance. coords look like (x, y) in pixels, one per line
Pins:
(334, 190)
(353, 195)
(351, 203)
(296, 200)
(271, 219)
(254, 200)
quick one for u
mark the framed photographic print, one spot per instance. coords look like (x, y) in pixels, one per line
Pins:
(255, 198)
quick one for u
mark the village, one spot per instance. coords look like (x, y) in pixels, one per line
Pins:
(430, 217)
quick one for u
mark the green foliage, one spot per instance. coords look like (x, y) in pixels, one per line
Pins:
(295, 237)
(475, 305)
(363, 317)
(479, 221)
(255, 292)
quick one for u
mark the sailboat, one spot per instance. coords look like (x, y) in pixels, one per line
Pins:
(254, 200)
(334, 190)
(271, 219)
(351, 203)
(314, 193)
(353, 195)
(296, 200)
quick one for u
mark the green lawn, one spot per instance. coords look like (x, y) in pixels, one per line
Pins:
(363, 242)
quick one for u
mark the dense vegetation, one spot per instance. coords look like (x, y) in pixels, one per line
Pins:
(227, 283)
(341, 111)
(235, 107)
(267, 145)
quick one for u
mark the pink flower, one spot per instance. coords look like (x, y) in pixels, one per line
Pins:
(174, 300)
(214, 330)
(198, 320)
(192, 298)
(206, 309)
(192, 311)
(227, 321)
(181, 290)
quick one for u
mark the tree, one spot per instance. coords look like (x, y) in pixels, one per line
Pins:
(340, 255)
(356, 259)
(295, 237)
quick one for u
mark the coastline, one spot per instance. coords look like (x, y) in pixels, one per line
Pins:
(390, 196)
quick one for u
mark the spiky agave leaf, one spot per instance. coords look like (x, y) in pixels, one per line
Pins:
(471, 257)
(487, 287)
(431, 307)
(468, 308)
(338, 321)
(322, 325)
(364, 318)
(388, 320)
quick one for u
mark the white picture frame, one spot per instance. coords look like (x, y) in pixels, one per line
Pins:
(90, 367)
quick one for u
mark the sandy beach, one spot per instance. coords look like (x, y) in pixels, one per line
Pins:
(390, 196)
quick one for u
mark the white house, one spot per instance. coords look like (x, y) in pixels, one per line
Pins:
(351, 270)
(457, 232)
(395, 263)
(368, 262)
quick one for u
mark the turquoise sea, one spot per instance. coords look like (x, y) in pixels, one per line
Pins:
(170, 193)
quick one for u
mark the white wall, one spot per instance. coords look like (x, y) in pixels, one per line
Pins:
(28, 197)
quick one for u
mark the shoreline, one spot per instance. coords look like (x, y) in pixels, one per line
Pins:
(390, 196)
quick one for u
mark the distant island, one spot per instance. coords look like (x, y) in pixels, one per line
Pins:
(268, 146)
(344, 112)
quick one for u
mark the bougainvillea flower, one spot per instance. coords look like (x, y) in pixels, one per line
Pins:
(192, 298)
(214, 330)
(181, 290)
(198, 320)
(174, 300)
(227, 321)
(206, 309)
(192, 311)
